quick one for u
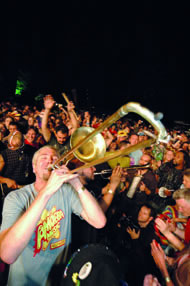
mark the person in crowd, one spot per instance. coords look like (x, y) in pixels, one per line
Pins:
(16, 163)
(172, 215)
(148, 184)
(179, 238)
(136, 155)
(21, 121)
(175, 272)
(15, 166)
(2, 135)
(134, 235)
(31, 137)
(36, 225)
(13, 127)
(170, 178)
(87, 119)
(7, 121)
(186, 178)
(83, 233)
(108, 137)
(168, 155)
(31, 121)
(61, 136)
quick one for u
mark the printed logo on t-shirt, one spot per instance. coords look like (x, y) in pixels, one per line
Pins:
(47, 229)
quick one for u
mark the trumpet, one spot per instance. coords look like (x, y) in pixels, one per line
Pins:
(134, 167)
(88, 145)
(103, 172)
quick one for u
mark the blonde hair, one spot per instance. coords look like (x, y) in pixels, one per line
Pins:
(38, 152)
(182, 194)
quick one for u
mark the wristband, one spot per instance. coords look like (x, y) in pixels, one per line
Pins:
(80, 191)
(167, 279)
(110, 192)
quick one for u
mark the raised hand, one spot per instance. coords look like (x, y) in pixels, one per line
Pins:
(49, 101)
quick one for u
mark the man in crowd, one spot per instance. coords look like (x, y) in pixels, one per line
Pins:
(186, 179)
(59, 139)
(137, 234)
(83, 233)
(135, 155)
(148, 183)
(36, 225)
(15, 165)
(170, 176)
(177, 237)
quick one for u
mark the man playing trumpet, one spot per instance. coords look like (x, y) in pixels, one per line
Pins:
(36, 225)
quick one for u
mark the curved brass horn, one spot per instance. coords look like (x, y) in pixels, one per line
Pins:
(93, 149)
(153, 119)
(116, 154)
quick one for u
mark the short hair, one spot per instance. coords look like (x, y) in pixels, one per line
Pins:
(149, 205)
(123, 143)
(63, 128)
(37, 153)
(186, 172)
(182, 194)
(13, 123)
(32, 128)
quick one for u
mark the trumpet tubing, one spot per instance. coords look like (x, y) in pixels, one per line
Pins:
(124, 110)
(135, 167)
(116, 154)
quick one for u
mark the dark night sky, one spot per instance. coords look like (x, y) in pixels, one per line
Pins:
(110, 53)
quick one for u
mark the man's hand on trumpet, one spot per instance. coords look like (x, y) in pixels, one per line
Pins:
(115, 179)
(57, 178)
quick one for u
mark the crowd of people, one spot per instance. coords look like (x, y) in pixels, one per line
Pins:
(138, 205)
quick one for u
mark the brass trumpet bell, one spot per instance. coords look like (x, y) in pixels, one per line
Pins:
(93, 149)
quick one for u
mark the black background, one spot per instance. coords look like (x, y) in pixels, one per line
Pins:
(102, 54)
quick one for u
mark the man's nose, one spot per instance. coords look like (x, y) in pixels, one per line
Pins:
(50, 159)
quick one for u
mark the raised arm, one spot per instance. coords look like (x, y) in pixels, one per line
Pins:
(72, 116)
(92, 211)
(48, 104)
(159, 258)
(110, 188)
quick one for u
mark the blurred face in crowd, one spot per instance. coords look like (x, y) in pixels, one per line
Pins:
(31, 135)
(15, 141)
(178, 159)
(183, 206)
(144, 216)
(30, 121)
(133, 139)
(169, 156)
(113, 146)
(88, 173)
(7, 121)
(61, 137)
(145, 159)
(12, 128)
(186, 181)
